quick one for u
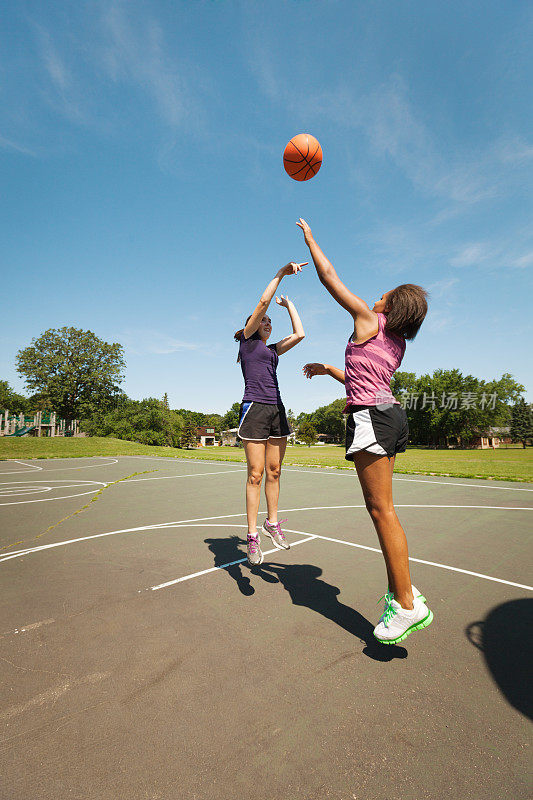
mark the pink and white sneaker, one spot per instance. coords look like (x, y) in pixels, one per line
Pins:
(253, 550)
(276, 534)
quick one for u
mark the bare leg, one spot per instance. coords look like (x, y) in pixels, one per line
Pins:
(375, 475)
(255, 459)
(275, 452)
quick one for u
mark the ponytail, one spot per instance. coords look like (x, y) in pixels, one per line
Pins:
(237, 335)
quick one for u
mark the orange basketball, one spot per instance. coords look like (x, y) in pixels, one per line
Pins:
(302, 157)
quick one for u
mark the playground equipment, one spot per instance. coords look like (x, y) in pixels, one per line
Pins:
(42, 423)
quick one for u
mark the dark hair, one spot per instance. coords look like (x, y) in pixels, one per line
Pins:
(237, 335)
(408, 307)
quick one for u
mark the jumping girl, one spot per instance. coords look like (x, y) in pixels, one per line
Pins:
(376, 427)
(263, 425)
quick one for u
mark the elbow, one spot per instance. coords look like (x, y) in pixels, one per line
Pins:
(300, 336)
(325, 278)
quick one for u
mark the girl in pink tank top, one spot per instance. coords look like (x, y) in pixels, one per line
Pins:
(376, 426)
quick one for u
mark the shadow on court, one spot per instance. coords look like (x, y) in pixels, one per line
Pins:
(504, 638)
(227, 550)
(302, 583)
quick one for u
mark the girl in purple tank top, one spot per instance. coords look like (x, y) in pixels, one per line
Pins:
(263, 425)
(376, 427)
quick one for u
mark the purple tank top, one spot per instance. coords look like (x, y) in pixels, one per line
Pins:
(259, 363)
(370, 366)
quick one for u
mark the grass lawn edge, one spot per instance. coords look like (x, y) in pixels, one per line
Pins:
(156, 452)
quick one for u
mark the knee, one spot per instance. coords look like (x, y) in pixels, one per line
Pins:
(273, 472)
(255, 476)
(377, 508)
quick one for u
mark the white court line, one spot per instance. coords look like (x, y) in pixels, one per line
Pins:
(469, 485)
(17, 471)
(327, 539)
(57, 469)
(171, 477)
(180, 522)
(80, 484)
(347, 473)
(419, 561)
(229, 564)
(101, 483)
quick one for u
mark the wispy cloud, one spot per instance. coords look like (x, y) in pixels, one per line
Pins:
(7, 144)
(442, 288)
(61, 91)
(85, 73)
(53, 63)
(472, 255)
(524, 261)
(493, 255)
(394, 130)
(142, 342)
(516, 151)
(137, 55)
(437, 320)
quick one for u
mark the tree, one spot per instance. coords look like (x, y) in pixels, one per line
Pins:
(214, 421)
(231, 417)
(10, 400)
(76, 370)
(291, 419)
(144, 421)
(521, 422)
(188, 436)
(307, 433)
(165, 401)
(326, 419)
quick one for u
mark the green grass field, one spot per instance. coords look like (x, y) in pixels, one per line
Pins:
(506, 464)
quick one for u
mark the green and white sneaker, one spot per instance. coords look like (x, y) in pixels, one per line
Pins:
(397, 623)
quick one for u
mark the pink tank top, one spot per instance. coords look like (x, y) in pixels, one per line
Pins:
(370, 366)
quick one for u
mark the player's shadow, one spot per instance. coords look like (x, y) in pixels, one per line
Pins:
(226, 551)
(504, 638)
(305, 589)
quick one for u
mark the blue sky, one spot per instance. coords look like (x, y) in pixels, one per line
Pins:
(143, 195)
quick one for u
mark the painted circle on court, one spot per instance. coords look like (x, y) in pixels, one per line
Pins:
(12, 491)
(58, 489)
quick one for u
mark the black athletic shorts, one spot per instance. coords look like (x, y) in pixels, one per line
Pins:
(382, 430)
(261, 421)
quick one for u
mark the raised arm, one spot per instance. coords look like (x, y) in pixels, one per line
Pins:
(261, 308)
(298, 332)
(329, 278)
(310, 370)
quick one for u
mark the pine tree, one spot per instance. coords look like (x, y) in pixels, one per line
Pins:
(188, 437)
(165, 401)
(521, 422)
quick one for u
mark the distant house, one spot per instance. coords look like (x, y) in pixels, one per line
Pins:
(325, 438)
(492, 438)
(229, 437)
(205, 437)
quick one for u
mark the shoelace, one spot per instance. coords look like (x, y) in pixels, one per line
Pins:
(253, 544)
(278, 528)
(389, 611)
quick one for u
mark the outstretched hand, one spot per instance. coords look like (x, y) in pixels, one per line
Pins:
(310, 370)
(308, 236)
(291, 268)
(283, 300)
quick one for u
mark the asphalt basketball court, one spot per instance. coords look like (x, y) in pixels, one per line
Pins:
(142, 658)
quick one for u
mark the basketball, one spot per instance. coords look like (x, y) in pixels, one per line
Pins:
(302, 157)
